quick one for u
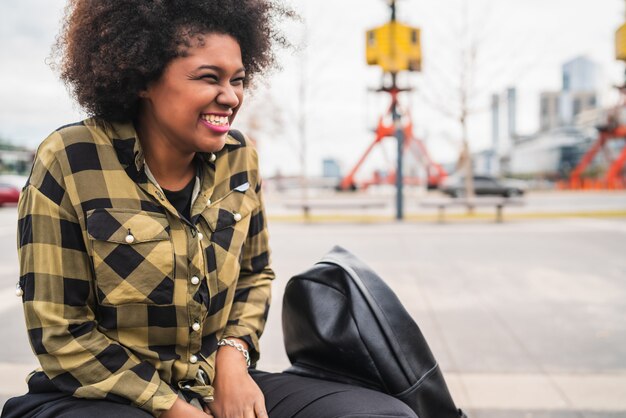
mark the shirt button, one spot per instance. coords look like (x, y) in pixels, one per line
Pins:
(130, 238)
(195, 280)
(193, 359)
(196, 326)
(213, 157)
(208, 202)
(19, 292)
(200, 236)
(237, 217)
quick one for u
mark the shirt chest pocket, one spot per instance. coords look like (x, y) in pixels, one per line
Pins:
(133, 256)
(229, 222)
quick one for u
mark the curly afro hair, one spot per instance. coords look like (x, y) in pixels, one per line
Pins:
(109, 51)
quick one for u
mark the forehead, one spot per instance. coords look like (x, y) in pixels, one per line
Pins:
(212, 49)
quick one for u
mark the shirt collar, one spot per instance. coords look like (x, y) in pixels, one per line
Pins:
(126, 143)
(231, 141)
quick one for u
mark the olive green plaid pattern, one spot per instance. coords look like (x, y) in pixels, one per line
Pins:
(125, 299)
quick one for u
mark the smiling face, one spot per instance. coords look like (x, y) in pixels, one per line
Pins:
(191, 106)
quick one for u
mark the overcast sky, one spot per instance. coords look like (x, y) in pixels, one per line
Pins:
(523, 44)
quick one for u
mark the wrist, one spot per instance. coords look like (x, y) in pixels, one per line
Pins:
(238, 340)
(235, 346)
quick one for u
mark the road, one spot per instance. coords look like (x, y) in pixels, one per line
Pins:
(526, 318)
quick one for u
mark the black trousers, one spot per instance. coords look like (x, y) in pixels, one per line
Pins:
(286, 396)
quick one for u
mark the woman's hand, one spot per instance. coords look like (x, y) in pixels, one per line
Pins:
(182, 409)
(236, 394)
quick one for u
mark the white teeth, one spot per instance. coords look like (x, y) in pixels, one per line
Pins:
(216, 120)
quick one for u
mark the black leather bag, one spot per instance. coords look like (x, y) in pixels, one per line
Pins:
(341, 322)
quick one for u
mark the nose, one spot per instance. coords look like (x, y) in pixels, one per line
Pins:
(228, 97)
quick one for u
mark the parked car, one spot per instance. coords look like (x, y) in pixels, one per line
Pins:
(483, 185)
(8, 193)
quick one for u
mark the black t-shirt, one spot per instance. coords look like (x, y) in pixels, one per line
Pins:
(181, 199)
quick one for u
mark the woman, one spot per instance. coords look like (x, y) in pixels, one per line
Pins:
(143, 246)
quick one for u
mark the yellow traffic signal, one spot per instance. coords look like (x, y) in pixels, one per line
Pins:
(620, 43)
(394, 47)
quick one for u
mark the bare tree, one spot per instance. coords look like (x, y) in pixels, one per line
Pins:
(483, 64)
(455, 93)
(464, 95)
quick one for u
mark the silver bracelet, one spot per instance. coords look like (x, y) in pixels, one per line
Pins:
(237, 346)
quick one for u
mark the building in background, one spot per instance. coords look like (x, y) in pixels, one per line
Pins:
(579, 93)
(548, 155)
(492, 161)
(14, 159)
(580, 75)
(331, 168)
(549, 110)
(561, 141)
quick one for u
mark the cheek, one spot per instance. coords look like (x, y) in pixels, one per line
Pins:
(179, 115)
(170, 107)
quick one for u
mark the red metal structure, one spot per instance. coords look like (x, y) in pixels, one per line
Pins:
(435, 172)
(615, 129)
(615, 176)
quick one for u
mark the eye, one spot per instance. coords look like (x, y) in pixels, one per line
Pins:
(238, 81)
(208, 77)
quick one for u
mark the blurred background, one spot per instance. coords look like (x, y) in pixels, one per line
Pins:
(504, 238)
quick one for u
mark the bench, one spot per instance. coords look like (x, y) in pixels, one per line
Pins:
(498, 202)
(306, 207)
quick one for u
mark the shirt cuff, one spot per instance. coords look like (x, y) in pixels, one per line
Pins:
(161, 400)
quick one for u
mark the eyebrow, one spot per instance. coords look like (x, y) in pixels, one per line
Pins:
(218, 69)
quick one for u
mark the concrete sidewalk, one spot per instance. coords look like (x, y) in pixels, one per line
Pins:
(526, 318)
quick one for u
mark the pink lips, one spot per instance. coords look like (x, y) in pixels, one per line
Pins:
(221, 129)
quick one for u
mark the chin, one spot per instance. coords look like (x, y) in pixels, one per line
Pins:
(214, 144)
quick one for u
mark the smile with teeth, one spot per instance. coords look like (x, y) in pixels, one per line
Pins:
(216, 120)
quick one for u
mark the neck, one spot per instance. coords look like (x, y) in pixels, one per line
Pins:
(172, 168)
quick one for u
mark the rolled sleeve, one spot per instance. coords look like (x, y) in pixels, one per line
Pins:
(59, 305)
(251, 302)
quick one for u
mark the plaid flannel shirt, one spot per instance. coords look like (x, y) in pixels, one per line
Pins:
(124, 299)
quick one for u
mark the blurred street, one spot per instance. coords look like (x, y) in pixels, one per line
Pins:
(525, 317)
(379, 204)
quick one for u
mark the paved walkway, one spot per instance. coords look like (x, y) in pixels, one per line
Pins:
(526, 318)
